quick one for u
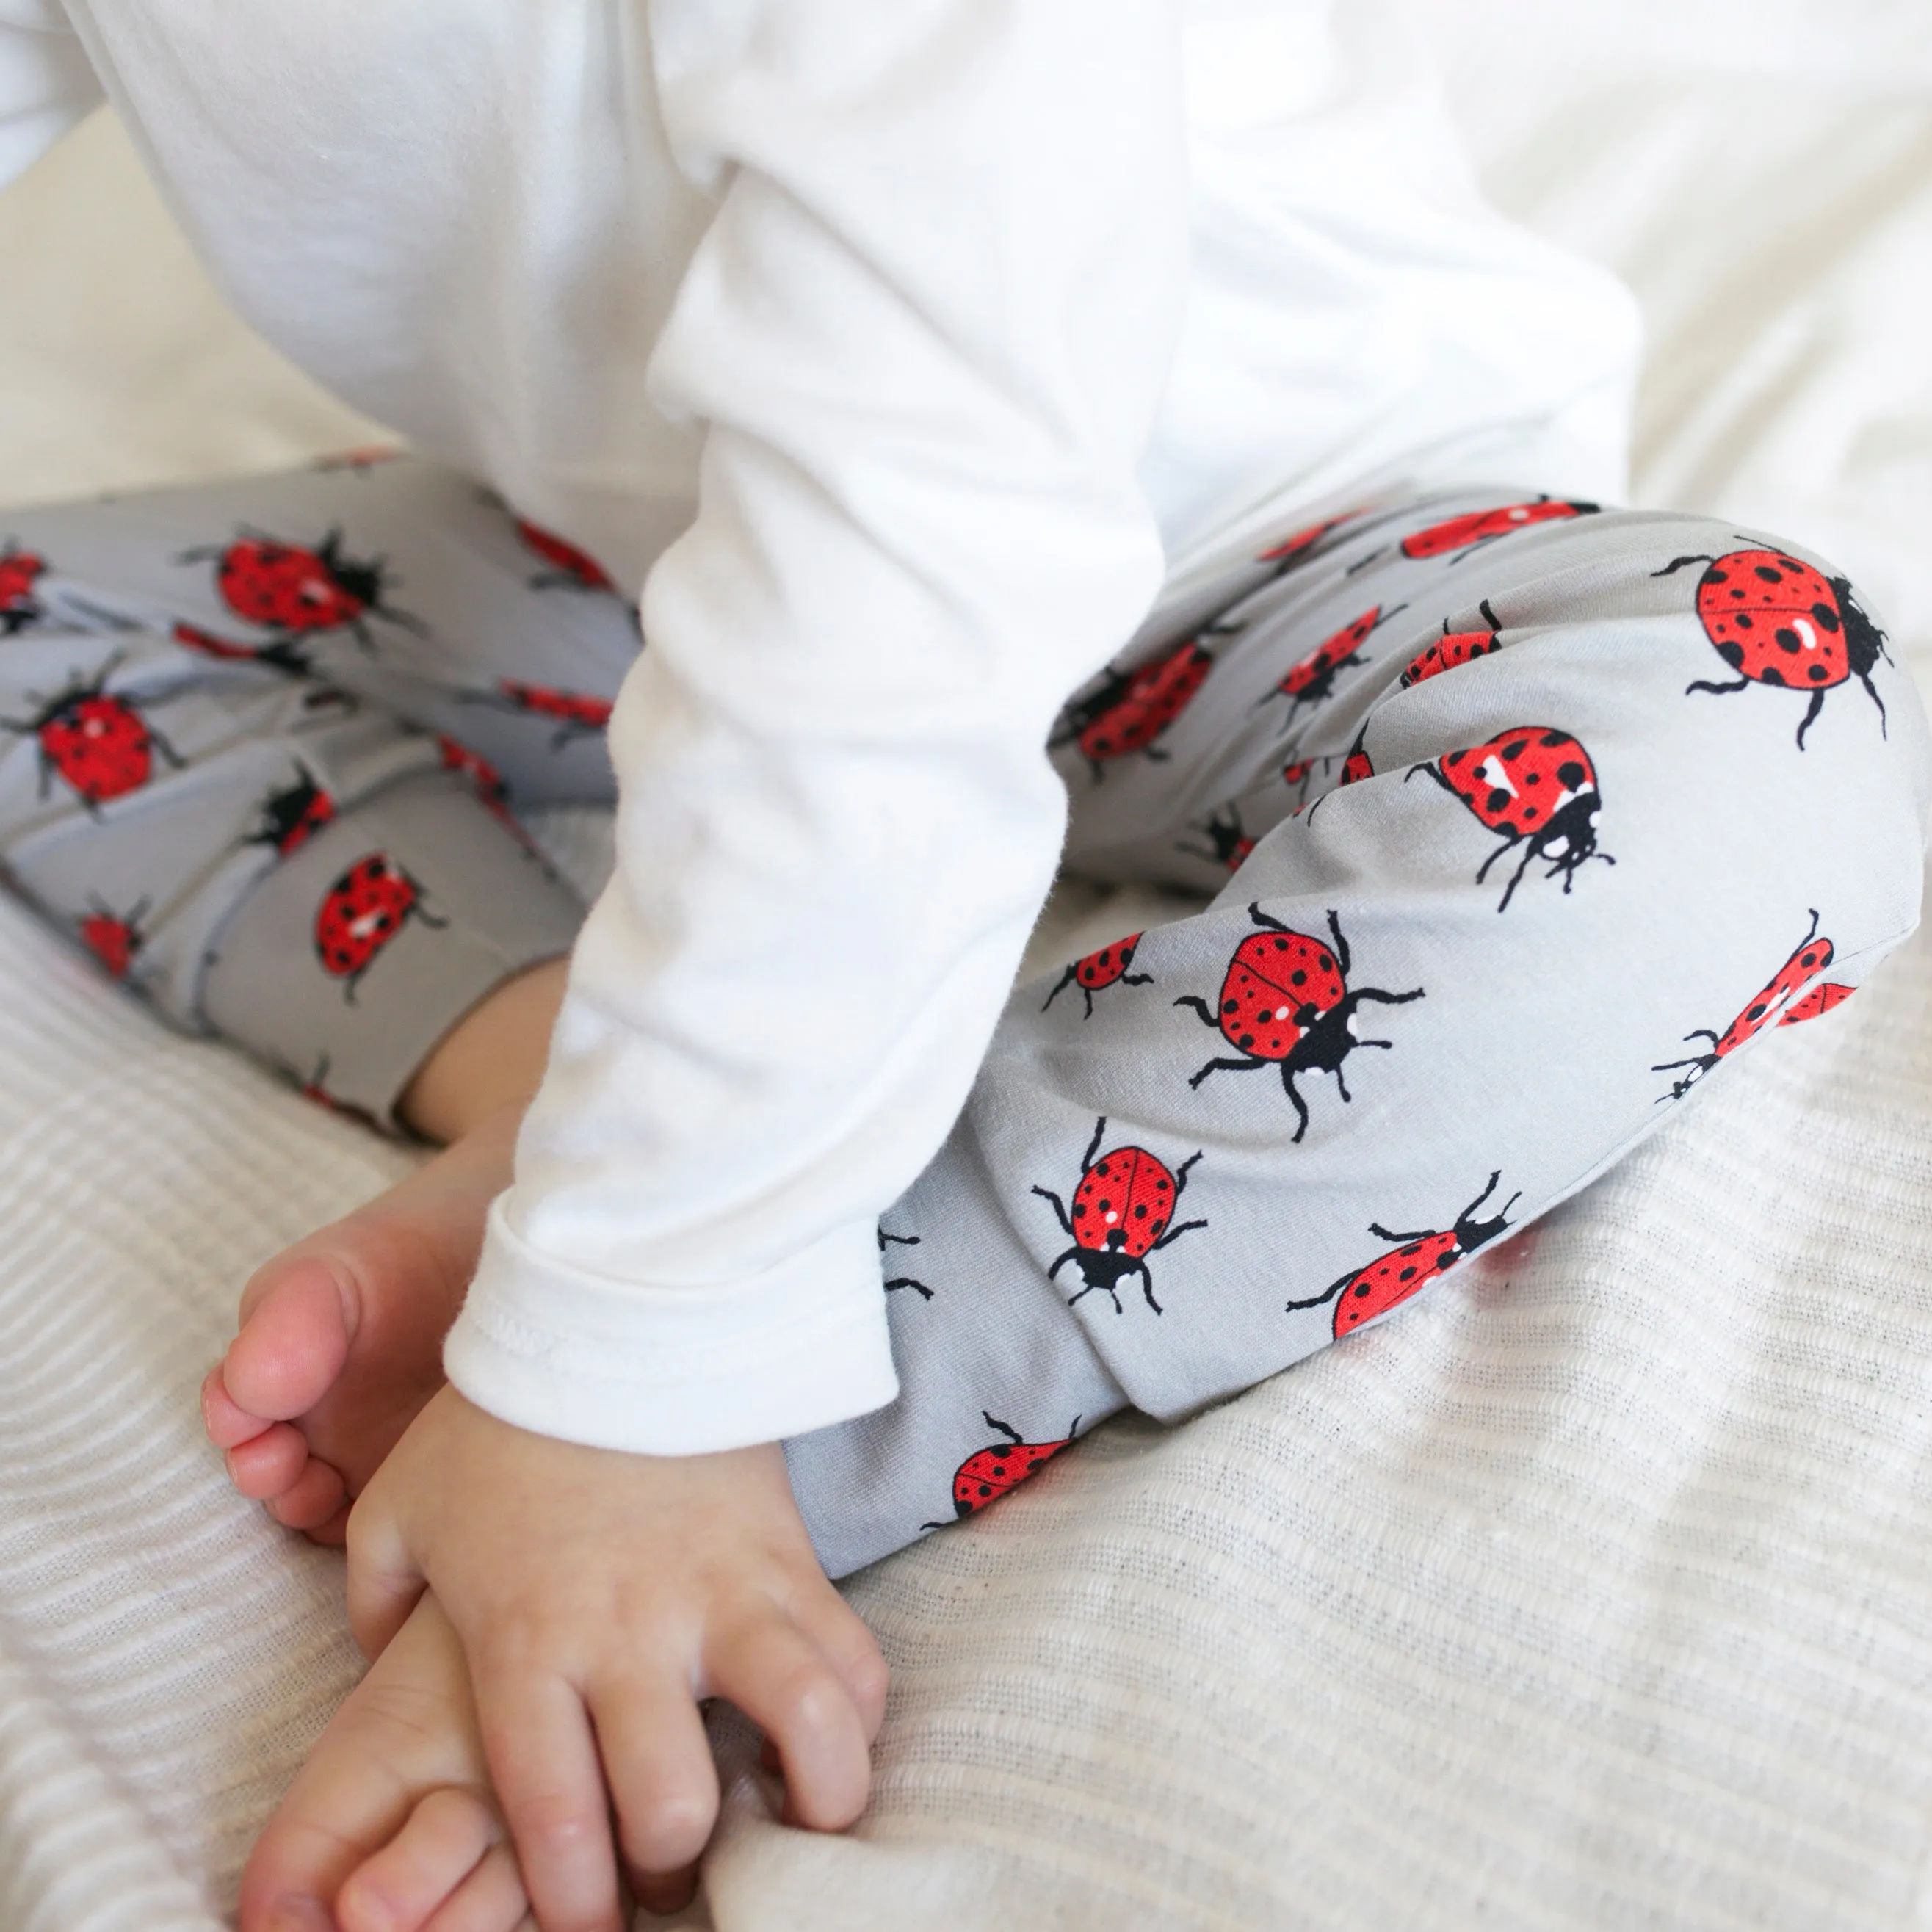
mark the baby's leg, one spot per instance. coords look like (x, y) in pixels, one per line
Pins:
(1522, 824)
(341, 1335)
(294, 654)
(390, 1820)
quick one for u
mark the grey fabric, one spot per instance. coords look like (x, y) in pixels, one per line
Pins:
(321, 692)
(1492, 1005)
(1528, 1003)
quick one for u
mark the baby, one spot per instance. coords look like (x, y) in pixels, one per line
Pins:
(1041, 435)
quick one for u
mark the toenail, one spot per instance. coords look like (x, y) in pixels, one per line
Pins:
(296, 1914)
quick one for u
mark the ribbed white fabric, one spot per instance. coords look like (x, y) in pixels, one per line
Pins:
(1593, 1594)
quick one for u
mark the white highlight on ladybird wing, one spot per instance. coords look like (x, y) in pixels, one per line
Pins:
(1493, 774)
(1802, 626)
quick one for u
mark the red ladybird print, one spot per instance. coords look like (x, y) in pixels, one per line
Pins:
(114, 938)
(1454, 649)
(293, 814)
(1355, 767)
(365, 909)
(988, 1474)
(20, 570)
(282, 654)
(315, 1088)
(1312, 682)
(299, 591)
(1123, 1210)
(1106, 967)
(100, 744)
(919, 1288)
(1128, 710)
(1286, 1002)
(360, 461)
(1390, 1279)
(1535, 785)
(1810, 958)
(1819, 1000)
(1291, 550)
(1459, 535)
(1779, 622)
(577, 713)
(570, 568)
(457, 757)
(1227, 843)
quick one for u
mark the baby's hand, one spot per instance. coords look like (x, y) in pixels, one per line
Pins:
(598, 1596)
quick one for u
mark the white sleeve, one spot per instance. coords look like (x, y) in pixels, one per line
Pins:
(925, 337)
(47, 84)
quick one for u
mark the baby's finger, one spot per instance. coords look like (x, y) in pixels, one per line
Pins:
(851, 1650)
(385, 1579)
(658, 1760)
(436, 1851)
(785, 1684)
(490, 1899)
(543, 1764)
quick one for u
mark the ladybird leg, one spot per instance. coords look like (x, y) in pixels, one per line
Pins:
(1174, 1234)
(1060, 1209)
(1341, 943)
(1180, 1175)
(1147, 1286)
(1382, 998)
(1724, 690)
(1515, 879)
(1327, 1295)
(1508, 845)
(1301, 1105)
(160, 743)
(919, 1288)
(1106, 1287)
(1066, 980)
(1229, 1066)
(1681, 563)
(1810, 717)
(1072, 1255)
(1094, 1145)
(1137, 979)
(1415, 770)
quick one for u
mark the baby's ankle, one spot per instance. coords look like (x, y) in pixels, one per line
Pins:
(487, 1065)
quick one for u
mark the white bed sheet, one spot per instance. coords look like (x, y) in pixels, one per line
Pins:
(1596, 1592)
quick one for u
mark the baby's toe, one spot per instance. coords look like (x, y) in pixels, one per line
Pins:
(296, 1328)
(422, 1874)
(228, 1423)
(269, 1464)
(405, 1734)
(491, 1899)
(313, 1499)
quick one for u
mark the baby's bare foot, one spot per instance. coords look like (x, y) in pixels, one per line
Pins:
(391, 1824)
(341, 1335)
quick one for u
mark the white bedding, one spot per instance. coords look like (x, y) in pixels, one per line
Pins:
(1596, 1592)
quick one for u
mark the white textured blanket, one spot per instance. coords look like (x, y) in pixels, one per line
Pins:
(1596, 1592)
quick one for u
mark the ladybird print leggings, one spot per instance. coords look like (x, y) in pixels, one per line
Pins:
(1519, 817)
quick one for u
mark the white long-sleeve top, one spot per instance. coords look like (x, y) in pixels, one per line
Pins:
(901, 350)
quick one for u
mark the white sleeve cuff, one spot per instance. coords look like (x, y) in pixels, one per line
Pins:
(673, 1371)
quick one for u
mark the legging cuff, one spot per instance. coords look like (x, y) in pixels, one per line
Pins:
(358, 953)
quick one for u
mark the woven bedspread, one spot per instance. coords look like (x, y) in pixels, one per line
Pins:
(1595, 1591)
